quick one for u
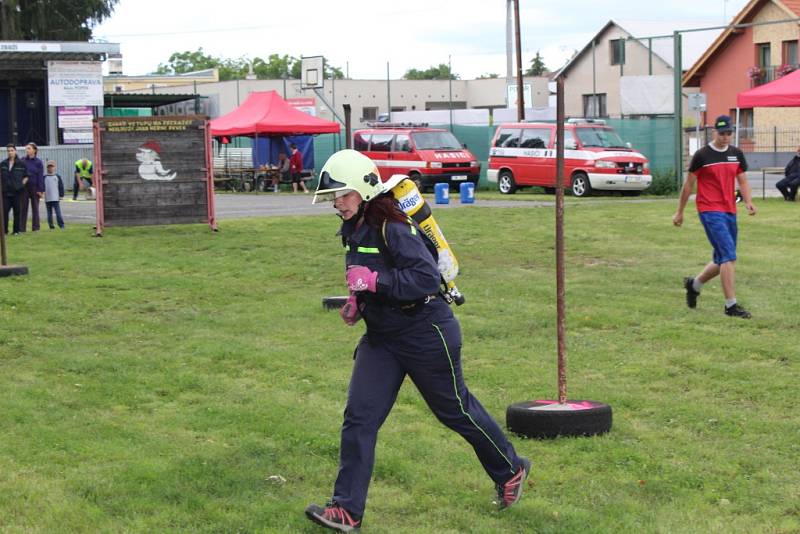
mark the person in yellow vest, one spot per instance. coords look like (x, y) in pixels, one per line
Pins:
(83, 177)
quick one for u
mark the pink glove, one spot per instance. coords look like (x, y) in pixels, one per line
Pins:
(360, 278)
(349, 312)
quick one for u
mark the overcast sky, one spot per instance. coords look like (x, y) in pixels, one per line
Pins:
(361, 37)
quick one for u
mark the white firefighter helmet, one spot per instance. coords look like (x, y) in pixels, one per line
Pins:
(349, 170)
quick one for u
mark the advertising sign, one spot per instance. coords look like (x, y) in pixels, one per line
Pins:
(78, 137)
(155, 170)
(697, 101)
(75, 117)
(29, 46)
(75, 83)
(306, 105)
(511, 95)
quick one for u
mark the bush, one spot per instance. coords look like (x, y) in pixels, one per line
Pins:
(664, 183)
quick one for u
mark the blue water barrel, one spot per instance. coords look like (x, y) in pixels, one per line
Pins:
(442, 193)
(467, 190)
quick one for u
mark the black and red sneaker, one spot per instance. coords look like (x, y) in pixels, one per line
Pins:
(334, 517)
(511, 492)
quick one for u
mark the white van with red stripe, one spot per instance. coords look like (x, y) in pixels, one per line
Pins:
(427, 155)
(595, 158)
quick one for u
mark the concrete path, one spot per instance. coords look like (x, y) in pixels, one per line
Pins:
(244, 205)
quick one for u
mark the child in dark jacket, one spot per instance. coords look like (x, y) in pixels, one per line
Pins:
(53, 193)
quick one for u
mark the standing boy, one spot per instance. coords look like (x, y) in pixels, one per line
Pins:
(716, 168)
(53, 193)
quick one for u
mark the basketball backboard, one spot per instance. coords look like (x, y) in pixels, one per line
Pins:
(312, 71)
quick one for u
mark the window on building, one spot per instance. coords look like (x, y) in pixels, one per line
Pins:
(361, 141)
(594, 105)
(369, 113)
(535, 138)
(617, 51)
(745, 119)
(508, 138)
(790, 52)
(763, 52)
(381, 143)
(401, 143)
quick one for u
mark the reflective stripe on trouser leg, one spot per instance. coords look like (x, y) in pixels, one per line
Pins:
(376, 379)
(448, 397)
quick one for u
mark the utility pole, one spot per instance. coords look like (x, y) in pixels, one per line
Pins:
(520, 94)
(388, 94)
(509, 41)
(450, 85)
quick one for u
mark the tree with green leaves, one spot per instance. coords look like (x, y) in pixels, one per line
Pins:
(441, 72)
(183, 62)
(537, 67)
(488, 76)
(52, 20)
(274, 67)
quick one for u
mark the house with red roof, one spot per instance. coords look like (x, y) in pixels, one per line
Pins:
(743, 58)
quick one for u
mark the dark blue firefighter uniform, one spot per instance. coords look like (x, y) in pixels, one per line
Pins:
(410, 331)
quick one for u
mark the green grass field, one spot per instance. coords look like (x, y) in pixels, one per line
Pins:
(155, 379)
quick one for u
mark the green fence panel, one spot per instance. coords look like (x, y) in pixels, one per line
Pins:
(324, 146)
(655, 138)
(127, 112)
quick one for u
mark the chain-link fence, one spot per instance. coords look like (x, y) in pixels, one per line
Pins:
(763, 147)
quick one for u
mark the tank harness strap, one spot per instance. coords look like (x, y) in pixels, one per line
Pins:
(383, 246)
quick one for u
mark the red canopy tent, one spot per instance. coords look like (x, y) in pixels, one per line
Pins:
(266, 113)
(783, 92)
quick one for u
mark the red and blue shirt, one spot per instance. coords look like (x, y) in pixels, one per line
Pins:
(716, 172)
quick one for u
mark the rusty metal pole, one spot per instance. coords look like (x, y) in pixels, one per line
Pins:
(560, 281)
(348, 140)
(545, 418)
(520, 95)
(3, 258)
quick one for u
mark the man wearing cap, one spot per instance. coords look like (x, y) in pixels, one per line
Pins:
(716, 168)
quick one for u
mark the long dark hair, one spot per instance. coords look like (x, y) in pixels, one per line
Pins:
(383, 208)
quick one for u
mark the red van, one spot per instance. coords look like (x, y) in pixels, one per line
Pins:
(427, 155)
(595, 158)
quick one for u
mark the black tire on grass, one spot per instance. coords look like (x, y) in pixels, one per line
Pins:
(333, 303)
(543, 419)
(13, 270)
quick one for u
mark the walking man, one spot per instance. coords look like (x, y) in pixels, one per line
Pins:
(716, 168)
(296, 168)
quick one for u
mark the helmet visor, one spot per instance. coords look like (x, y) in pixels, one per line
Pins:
(327, 188)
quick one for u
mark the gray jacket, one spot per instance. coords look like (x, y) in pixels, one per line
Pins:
(53, 188)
